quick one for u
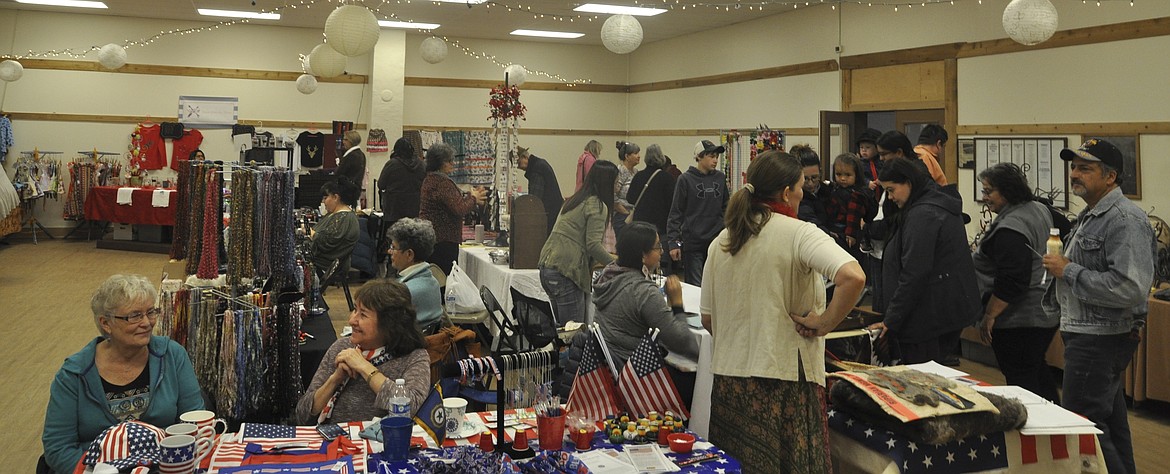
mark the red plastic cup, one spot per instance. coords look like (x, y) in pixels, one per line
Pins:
(551, 430)
(583, 439)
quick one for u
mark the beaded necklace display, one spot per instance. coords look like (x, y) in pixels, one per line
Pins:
(240, 262)
(182, 210)
(195, 238)
(283, 258)
(209, 253)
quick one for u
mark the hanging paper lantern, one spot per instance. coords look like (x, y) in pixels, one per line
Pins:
(352, 30)
(1029, 22)
(326, 62)
(10, 71)
(516, 74)
(306, 67)
(112, 56)
(387, 95)
(433, 50)
(621, 34)
(307, 84)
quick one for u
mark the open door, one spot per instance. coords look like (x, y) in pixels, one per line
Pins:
(837, 132)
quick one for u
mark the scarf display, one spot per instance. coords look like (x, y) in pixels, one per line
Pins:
(209, 247)
(377, 357)
(82, 178)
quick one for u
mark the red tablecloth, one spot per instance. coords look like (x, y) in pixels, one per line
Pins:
(102, 205)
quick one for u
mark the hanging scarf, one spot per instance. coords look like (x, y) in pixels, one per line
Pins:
(777, 207)
(209, 252)
(377, 357)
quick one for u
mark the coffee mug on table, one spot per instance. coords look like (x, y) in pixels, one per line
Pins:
(190, 429)
(204, 418)
(181, 454)
(456, 408)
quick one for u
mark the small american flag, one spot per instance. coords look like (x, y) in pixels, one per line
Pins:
(266, 436)
(262, 431)
(593, 393)
(645, 383)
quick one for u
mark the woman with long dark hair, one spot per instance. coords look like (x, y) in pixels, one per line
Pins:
(929, 285)
(1012, 280)
(575, 244)
(763, 292)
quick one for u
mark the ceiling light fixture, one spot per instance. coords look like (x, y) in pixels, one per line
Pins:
(239, 14)
(548, 34)
(618, 10)
(407, 24)
(65, 3)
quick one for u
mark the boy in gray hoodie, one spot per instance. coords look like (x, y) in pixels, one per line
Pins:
(696, 215)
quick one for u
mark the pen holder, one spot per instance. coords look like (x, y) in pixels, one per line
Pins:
(551, 430)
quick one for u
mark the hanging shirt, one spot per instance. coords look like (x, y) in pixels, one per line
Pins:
(154, 149)
(312, 147)
(6, 137)
(183, 146)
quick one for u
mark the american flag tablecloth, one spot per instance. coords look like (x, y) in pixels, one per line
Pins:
(725, 464)
(1010, 451)
(230, 451)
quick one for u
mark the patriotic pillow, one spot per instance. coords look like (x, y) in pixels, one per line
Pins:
(124, 445)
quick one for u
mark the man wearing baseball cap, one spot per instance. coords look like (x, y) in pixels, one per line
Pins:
(1102, 282)
(696, 215)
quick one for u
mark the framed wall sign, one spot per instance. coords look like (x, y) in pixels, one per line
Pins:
(1038, 157)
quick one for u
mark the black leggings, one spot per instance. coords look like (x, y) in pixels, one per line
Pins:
(444, 256)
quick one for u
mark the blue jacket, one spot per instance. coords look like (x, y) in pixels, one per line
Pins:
(78, 412)
(1107, 281)
(424, 293)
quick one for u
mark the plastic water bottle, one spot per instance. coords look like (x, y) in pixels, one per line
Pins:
(399, 400)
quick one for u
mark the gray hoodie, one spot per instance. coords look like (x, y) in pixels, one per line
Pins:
(628, 305)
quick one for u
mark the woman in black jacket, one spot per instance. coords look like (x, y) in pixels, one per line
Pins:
(654, 207)
(399, 184)
(929, 275)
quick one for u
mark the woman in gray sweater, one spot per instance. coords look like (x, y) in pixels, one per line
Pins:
(629, 303)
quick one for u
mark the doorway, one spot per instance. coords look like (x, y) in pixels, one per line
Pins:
(839, 130)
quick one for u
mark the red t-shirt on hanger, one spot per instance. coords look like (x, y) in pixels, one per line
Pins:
(154, 149)
(182, 147)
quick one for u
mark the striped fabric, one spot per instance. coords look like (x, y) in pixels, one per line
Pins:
(231, 450)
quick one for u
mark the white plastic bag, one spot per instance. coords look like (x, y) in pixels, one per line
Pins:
(462, 294)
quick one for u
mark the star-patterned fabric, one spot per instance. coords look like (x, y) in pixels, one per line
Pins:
(124, 445)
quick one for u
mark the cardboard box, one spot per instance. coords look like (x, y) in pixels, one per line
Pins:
(122, 232)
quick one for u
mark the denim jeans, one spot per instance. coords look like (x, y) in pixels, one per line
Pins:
(1093, 372)
(568, 301)
(693, 261)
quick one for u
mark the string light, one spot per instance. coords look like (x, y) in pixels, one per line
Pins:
(491, 57)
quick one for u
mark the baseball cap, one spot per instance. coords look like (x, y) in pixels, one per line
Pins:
(705, 146)
(124, 445)
(1096, 149)
(868, 135)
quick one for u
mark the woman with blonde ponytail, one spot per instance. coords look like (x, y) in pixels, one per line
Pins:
(762, 291)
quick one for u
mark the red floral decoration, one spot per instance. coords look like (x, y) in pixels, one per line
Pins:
(505, 103)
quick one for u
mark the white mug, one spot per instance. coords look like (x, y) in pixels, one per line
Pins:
(204, 418)
(181, 454)
(190, 429)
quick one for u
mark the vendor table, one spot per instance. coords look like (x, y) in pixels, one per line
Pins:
(102, 205)
(857, 447)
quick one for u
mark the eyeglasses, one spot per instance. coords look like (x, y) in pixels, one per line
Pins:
(885, 153)
(987, 191)
(135, 318)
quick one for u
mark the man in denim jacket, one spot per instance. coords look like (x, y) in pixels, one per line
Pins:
(1102, 282)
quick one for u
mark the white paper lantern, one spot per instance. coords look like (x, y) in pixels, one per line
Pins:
(1029, 22)
(516, 74)
(112, 56)
(433, 50)
(326, 62)
(352, 30)
(621, 34)
(306, 67)
(307, 84)
(10, 70)
(387, 95)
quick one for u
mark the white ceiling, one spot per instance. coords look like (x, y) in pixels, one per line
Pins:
(457, 20)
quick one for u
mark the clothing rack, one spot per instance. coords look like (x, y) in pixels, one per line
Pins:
(27, 160)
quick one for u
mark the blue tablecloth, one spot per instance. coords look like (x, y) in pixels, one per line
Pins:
(725, 464)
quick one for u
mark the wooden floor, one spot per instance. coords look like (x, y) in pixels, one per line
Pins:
(44, 296)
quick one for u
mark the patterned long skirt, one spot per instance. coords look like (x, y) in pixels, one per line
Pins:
(771, 425)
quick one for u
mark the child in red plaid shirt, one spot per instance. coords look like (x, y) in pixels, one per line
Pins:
(850, 201)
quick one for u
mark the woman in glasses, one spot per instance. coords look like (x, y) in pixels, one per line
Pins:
(124, 374)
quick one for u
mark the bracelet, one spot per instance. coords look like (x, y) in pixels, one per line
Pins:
(371, 374)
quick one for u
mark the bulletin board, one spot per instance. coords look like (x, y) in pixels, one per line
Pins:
(1038, 157)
